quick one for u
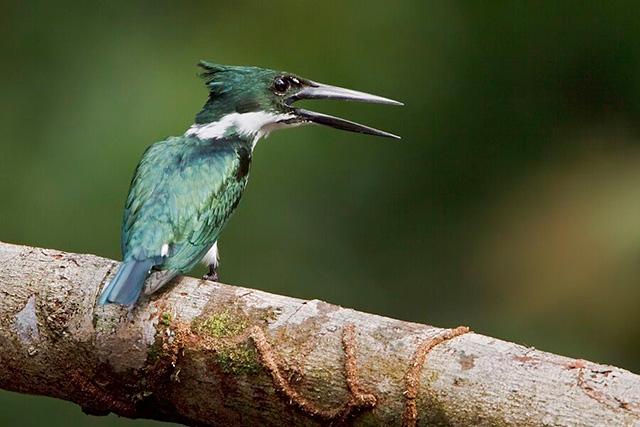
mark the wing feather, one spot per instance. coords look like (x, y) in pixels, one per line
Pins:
(183, 193)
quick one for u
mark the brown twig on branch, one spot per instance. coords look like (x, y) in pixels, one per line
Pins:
(412, 380)
(203, 353)
(357, 399)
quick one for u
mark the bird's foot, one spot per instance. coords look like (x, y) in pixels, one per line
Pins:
(212, 275)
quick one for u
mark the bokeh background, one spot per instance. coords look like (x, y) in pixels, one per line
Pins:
(511, 205)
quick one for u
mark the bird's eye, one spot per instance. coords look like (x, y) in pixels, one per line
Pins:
(281, 85)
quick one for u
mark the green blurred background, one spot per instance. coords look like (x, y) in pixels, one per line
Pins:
(511, 205)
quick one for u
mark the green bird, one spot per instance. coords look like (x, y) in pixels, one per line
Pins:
(186, 188)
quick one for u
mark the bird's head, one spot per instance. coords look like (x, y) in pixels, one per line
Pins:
(253, 101)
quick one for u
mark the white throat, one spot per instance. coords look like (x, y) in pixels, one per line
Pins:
(255, 125)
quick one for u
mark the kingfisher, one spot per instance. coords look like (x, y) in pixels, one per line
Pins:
(185, 189)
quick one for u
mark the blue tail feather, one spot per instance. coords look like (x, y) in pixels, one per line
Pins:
(126, 285)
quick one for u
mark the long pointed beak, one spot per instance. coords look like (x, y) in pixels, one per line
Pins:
(321, 91)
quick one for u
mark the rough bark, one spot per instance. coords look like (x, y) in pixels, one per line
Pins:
(203, 353)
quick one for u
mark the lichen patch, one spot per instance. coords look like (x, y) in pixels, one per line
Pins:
(25, 323)
(220, 325)
(238, 359)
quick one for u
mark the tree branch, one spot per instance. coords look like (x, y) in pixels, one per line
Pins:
(203, 353)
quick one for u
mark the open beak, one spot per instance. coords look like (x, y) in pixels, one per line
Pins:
(321, 91)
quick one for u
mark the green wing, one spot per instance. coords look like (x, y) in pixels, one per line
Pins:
(183, 193)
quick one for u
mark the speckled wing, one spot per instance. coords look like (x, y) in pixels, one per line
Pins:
(183, 193)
